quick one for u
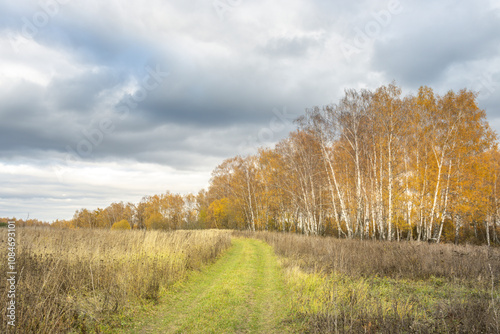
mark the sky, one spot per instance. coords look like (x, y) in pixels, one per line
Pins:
(108, 101)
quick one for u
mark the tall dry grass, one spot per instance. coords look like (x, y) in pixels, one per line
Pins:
(79, 280)
(353, 286)
(411, 260)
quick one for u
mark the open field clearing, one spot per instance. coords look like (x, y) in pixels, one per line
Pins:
(100, 281)
(91, 280)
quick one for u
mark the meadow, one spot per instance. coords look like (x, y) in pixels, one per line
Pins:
(105, 281)
(353, 286)
(93, 280)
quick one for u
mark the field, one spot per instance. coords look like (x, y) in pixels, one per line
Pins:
(352, 286)
(92, 280)
(101, 281)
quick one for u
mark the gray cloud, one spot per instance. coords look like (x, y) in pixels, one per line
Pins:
(297, 46)
(225, 78)
(82, 93)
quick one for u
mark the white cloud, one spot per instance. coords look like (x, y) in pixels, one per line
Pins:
(25, 59)
(38, 190)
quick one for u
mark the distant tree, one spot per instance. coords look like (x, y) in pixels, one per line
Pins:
(156, 221)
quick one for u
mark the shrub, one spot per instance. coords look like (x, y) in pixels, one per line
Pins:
(121, 225)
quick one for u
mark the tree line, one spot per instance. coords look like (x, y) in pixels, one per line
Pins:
(376, 165)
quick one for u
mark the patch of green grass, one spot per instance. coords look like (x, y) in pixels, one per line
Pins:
(242, 292)
(342, 303)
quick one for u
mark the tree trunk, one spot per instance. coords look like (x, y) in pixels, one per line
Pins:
(458, 225)
(436, 192)
(343, 209)
(390, 176)
(443, 214)
(487, 223)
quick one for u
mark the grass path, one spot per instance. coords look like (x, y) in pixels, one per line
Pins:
(243, 292)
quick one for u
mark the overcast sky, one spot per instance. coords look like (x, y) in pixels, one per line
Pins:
(105, 101)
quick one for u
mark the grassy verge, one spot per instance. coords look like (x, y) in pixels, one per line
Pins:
(242, 292)
(368, 287)
(93, 280)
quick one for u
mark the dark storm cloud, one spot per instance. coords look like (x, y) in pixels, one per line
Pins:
(24, 120)
(206, 105)
(179, 146)
(205, 91)
(214, 93)
(30, 122)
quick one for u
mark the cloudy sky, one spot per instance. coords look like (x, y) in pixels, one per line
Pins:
(105, 101)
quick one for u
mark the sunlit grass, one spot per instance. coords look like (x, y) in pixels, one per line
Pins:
(243, 292)
(344, 303)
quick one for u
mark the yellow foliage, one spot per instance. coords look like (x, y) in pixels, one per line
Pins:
(121, 225)
(156, 222)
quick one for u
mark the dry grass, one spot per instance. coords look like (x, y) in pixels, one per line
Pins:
(412, 260)
(352, 286)
(83, 280)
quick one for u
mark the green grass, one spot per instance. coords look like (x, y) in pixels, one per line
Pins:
(341, 303)
(242, 292)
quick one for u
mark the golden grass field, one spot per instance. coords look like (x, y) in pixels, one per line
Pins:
(87, 280)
